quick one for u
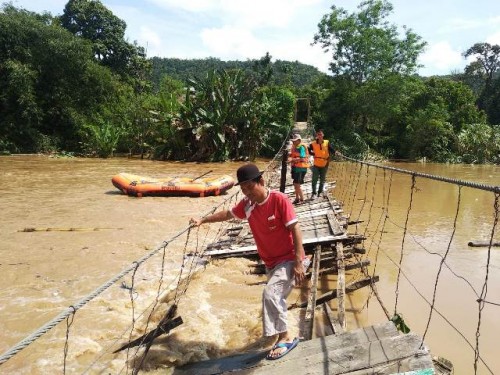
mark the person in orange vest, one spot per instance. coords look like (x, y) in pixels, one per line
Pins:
(321, 149)
(299, 161)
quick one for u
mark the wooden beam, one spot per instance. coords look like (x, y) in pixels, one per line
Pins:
(348, 289)
(341, 284)
(483, 244)
(347, 267)
(334, 224)
(252, 249)
(334, 324)
(284, 167)
(165, 326)
(311, 300)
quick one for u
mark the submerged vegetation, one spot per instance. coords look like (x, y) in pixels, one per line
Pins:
(71, 85)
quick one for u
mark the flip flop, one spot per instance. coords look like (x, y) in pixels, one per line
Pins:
(288, 345)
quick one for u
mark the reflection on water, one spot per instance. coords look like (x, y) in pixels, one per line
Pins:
(45, 272)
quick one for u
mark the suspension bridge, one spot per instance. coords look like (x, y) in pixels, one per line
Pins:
(329, 237)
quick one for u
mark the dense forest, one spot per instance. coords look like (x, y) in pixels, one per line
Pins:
(281, 73)
(72, 85)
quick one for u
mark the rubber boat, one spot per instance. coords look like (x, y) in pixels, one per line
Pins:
(140, 186)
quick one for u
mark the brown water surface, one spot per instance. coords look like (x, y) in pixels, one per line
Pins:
(97, 232)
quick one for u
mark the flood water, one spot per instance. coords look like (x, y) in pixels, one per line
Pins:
(96, 232)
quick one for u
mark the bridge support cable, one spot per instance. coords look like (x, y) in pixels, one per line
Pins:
(482, 298)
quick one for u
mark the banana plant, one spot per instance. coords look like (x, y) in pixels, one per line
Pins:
(215, 108)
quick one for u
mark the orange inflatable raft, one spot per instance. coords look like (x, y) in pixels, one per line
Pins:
(140, 186)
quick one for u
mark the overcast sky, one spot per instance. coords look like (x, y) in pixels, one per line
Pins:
(242, 29)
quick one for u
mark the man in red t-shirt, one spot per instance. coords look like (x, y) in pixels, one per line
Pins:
(277, 234)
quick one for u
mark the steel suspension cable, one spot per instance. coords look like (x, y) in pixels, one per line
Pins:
(476, 185)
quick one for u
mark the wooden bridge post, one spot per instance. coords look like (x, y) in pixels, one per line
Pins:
(311, 300)
(341, 284)
(284, 167)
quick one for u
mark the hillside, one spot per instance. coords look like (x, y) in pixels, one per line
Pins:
(283, 72)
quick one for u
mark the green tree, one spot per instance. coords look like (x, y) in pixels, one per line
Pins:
(487, 61)
(263, 69)
(493, 109)
(430, 135)
(364, 45)
(102, 139)
(436, 114)
(51, 86)
(284, 73)
(372, 63)
(479, 143)
(455, 99)
(272, 121)
(484, 70)
(91, 20)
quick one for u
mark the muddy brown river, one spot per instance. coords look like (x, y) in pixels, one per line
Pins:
(96, 232)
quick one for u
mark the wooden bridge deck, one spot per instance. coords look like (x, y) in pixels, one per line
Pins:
(378, 349)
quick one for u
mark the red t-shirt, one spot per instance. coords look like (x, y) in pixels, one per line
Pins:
(269, 221)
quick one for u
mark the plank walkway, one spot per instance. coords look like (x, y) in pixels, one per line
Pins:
(378, 349)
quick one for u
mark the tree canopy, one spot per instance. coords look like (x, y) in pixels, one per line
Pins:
(91, 20)
(288, 73)
(364, 45)
(73, 84)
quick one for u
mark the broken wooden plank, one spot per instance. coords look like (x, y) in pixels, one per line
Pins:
(334, 323)
(165, 326)
(348, 289)
(252, 249)
(311, 300)
(334, 225)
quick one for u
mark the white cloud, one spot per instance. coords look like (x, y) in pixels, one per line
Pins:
(153, 43)
(300, 49)
(232, 43)
(188, 5)
(237, 29)
(250, 14)
(441, 58)
(261, 13)
(494, 38)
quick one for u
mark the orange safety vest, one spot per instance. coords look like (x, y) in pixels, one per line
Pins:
(321, 153)
(295, 153)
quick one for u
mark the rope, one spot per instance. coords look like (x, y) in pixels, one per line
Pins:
(442, 262)
(436, 310)
(484, 292)
(412, 189)
(131, 293)
(364, 197)
(69, 323)
(481, 300)
(355, 191)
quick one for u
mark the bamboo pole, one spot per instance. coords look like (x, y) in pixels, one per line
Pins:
(31, 229)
